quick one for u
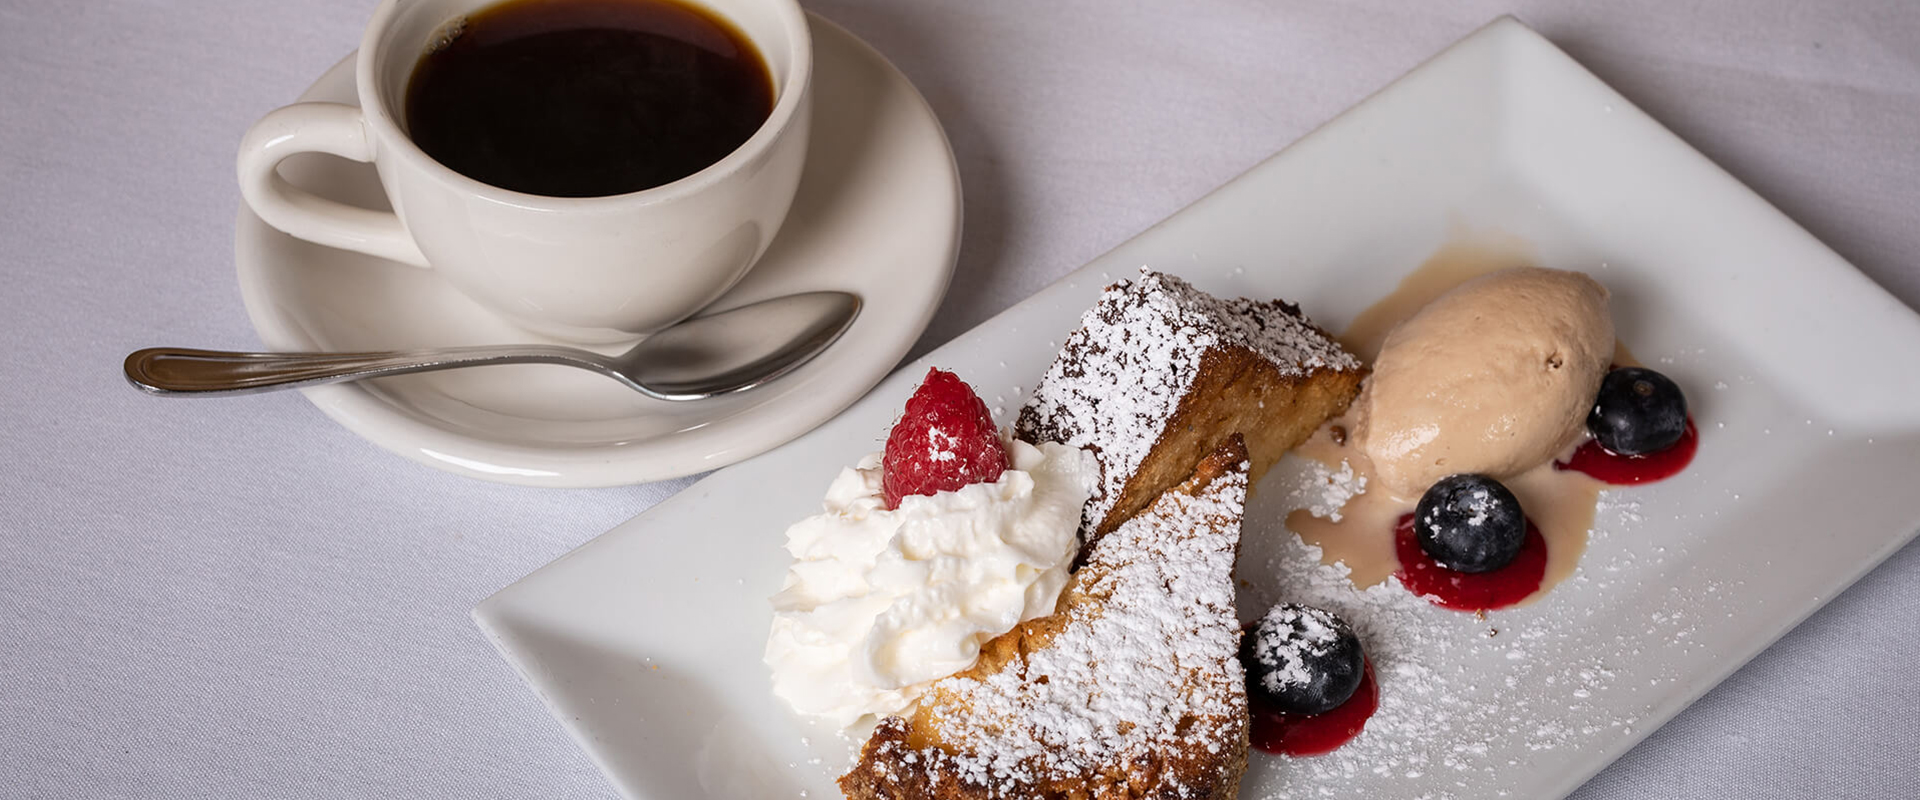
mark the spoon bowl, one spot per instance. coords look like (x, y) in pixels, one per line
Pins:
(721, 353)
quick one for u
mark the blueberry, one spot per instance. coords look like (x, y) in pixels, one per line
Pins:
(1302, 660)
(1470, 523)
(1638, 411)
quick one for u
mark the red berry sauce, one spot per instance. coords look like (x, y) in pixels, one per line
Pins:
(1287, 733)
(1468, 591)
(1611, 467)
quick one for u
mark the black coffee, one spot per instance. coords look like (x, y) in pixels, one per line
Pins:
(587, 98)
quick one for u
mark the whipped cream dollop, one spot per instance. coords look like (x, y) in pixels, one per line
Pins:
(879, 603)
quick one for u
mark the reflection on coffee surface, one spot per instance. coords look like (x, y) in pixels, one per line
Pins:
(587, 98)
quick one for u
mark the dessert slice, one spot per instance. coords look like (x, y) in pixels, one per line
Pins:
(1159, 372)
(1131, 689)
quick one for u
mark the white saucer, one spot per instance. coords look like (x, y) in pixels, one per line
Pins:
(877, 214)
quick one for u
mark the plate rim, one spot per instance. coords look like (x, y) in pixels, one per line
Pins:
(489, 618)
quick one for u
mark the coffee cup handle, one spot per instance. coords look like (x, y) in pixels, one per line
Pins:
(331, 128)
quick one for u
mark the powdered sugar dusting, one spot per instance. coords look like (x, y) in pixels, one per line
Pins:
(1460, 694)
(1323, 493)
(1286, 638)
(1145, 668)
(1122, 375)
(941, 446)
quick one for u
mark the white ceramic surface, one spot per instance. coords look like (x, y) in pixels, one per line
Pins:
(645, 643)
(877, 214)
(588, 269)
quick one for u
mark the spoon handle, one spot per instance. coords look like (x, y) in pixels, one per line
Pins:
(179, 370)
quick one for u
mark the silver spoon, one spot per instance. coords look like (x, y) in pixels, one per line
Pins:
(730, 351)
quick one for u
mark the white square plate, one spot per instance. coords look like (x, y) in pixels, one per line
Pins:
(645, 643)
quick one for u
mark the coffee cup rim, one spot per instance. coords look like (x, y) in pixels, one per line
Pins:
(387, 132)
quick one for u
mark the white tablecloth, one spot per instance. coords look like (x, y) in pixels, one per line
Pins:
(238, 598)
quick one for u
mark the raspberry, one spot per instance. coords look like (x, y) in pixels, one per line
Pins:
(945, 440)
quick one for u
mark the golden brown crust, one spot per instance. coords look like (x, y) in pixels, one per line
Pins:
(1236, 391)
(1196, 776)
(1159, 372)
(905, 759)
(1172, 389)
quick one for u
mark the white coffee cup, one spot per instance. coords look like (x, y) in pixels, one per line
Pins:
(585, 269)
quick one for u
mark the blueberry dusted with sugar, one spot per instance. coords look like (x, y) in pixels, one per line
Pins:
(1302, 660)
(1638, 411)
(1470, 523)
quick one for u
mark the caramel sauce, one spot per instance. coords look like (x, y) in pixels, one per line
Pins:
(1622, 357)
(1453, 264)
(1559, 502)
(1363, 537)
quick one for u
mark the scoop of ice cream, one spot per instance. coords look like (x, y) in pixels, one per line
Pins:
(1494, 377)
